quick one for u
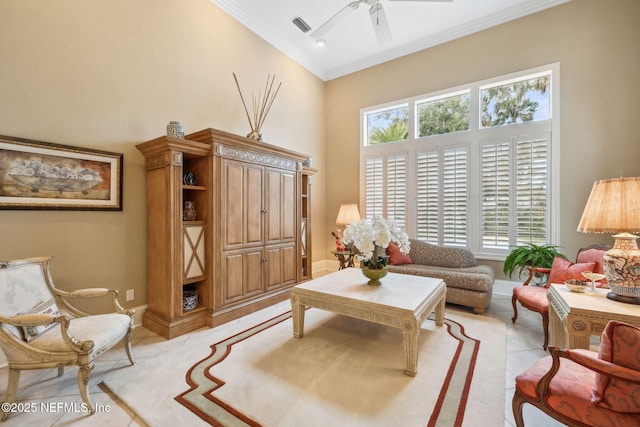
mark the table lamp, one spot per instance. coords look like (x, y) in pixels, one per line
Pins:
(614, 207)
(347, 214)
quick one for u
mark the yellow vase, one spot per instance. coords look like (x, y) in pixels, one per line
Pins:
(374, 275)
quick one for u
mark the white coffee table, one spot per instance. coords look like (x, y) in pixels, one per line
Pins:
(403, 301)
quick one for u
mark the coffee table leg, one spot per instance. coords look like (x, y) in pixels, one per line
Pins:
(297, 313)
(410, 333)
(440, 312)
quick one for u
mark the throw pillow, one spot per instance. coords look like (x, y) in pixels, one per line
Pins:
(619, 344)
(396, 257)
(563, 270)
(45, 307)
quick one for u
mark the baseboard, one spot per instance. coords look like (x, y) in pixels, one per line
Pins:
(137, 316)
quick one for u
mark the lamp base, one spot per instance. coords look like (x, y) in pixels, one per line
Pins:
(622, 298)
(622, 269)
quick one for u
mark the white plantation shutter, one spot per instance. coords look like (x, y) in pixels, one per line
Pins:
(397, 189)
(531, 190)
(515, 182)
(455, 194)
(386, 187)
(428, 196)
(374, 193)
(495, 195)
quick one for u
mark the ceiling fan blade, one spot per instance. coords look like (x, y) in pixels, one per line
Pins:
(339, 16)
(380, 24)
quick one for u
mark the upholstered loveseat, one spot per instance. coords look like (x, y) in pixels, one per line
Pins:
(468, 284)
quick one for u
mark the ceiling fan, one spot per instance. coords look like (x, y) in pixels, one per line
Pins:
(376, 13)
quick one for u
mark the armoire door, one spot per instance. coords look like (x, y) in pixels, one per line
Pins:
(243, 212)
(280, 201)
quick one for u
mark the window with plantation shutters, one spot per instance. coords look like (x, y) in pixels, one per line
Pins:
(397, 189)
(496, 191)
(454, 197)
(374, 175)
(428, 196)
(386, 187)
(515, 172)
(531, 190)
(487, 185)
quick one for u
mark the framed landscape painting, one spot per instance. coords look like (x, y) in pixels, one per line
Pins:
(43, 175)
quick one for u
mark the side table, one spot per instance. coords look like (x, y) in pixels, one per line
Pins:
(345, 258)
(574, 317)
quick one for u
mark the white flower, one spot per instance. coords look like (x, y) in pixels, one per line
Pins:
(377, 232)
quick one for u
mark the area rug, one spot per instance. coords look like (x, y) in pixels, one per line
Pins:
(344, 372)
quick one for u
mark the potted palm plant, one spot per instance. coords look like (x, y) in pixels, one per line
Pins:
(530, 255)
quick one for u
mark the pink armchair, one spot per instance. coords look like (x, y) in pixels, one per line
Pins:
(534, 297)
(587, 388)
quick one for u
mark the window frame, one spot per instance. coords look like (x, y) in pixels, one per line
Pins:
(473, 139)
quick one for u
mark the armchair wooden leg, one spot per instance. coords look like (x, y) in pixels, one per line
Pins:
(83, 380)
(12, 389)
(545, 328)
(516, 406)
(60, 370)
(127, 346)
(515, 309)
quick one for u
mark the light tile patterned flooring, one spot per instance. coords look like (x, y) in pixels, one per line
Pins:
(56, 401)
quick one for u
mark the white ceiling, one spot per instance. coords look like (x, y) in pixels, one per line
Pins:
(352, 45)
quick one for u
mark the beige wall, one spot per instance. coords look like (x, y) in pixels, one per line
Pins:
(596, 44)
(111, 74)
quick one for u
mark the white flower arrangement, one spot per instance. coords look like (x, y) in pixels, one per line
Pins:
(372, 236)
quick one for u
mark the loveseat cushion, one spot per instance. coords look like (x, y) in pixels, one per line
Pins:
(478, 278)
(439, 256)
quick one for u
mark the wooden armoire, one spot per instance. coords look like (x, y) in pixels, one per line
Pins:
(250, 241)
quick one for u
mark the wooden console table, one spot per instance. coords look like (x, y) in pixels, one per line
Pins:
(574, 317)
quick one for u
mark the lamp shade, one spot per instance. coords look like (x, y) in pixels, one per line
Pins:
(613, 207)
(347, 214)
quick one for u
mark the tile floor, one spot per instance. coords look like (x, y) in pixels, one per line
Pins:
(56, 401)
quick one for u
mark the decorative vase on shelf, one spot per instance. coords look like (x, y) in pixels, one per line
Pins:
(189, 213)
(175, 130)
(375, 274)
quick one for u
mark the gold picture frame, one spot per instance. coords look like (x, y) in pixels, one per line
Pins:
(44, 175)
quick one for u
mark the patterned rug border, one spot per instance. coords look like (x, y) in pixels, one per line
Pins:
(222, 349)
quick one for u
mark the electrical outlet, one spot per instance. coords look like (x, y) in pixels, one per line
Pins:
(130, 294)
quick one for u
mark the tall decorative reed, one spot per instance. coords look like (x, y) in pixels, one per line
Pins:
(260, 105)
